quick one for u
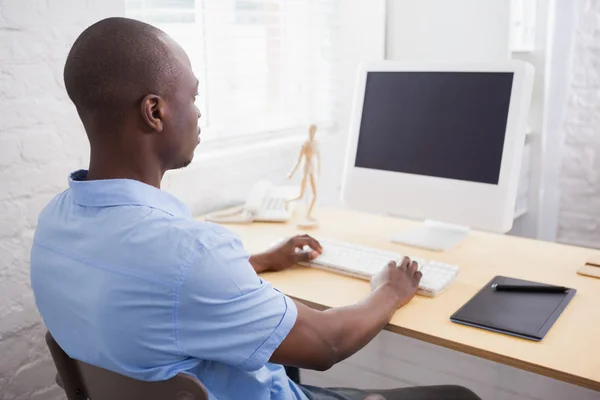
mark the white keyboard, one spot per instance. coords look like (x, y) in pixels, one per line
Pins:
(364, 262)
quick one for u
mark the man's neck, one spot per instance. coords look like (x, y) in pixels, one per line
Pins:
(150, 175)
(123, 153)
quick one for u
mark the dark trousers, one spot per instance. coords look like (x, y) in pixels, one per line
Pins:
(294, 374)
(411, 393)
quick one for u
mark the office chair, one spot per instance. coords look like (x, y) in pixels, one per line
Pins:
(82, 381)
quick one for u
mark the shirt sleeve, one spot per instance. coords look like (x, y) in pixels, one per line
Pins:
(225, 312)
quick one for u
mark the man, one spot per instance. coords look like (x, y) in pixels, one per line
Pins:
(126, 280)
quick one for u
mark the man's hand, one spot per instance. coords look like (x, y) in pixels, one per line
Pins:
(285, 255)
(401, 280)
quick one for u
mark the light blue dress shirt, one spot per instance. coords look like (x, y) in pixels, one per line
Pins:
(126, 280)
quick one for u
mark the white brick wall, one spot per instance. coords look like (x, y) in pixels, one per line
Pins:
(41, 140)
(579, 216)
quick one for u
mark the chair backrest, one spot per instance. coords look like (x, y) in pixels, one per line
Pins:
(83, 381)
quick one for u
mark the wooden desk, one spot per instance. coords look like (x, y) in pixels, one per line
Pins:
(569, 352)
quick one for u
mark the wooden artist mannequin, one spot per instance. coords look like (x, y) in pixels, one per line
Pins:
(310, 154)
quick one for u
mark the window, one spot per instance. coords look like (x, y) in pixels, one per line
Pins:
(265, 66)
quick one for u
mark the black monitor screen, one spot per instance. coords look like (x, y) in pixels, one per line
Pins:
(441, 124)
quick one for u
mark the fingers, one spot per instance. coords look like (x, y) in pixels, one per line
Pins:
(413, 270)
(413, 267)
(305, 256)
(301, 241)
(418, 276)
(403, 264)
(305, 240)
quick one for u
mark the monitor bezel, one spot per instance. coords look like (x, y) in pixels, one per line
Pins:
(483, 206)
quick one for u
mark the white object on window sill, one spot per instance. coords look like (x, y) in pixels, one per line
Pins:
(520, 212)
(522, 25)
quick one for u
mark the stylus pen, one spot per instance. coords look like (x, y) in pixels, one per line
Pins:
(529, 288)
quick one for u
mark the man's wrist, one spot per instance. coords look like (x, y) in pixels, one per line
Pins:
(259, 262)
(388, 298)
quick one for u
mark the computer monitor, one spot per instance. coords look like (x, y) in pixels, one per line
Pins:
(439, 142)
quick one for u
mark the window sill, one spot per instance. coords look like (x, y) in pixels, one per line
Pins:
(220, 176)
(245, 145)
(217, 152)
(226, 148)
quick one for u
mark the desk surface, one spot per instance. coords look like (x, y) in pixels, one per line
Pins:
(569, 352)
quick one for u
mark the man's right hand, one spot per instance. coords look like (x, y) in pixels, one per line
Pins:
(401, 280)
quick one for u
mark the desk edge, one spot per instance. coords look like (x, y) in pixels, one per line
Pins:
(513, 362)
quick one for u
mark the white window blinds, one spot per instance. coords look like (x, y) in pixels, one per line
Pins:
(265, 66)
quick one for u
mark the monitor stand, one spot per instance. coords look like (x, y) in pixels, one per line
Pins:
(433, 235)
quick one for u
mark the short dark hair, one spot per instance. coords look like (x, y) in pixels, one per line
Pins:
(115, 62)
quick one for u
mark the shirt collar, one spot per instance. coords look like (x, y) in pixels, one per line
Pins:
(123, 192)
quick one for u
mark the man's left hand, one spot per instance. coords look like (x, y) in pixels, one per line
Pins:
(285, 255)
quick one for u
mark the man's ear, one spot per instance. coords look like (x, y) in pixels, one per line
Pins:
(153, 112)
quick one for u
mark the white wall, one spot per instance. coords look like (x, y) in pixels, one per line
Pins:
(579, 218)
(41, 141)
(529, 225)
(561, 34)
(360, 38)
(440, 30)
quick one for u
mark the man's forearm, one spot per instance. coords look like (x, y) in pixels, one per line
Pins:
(320, 339)
(353, 327)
